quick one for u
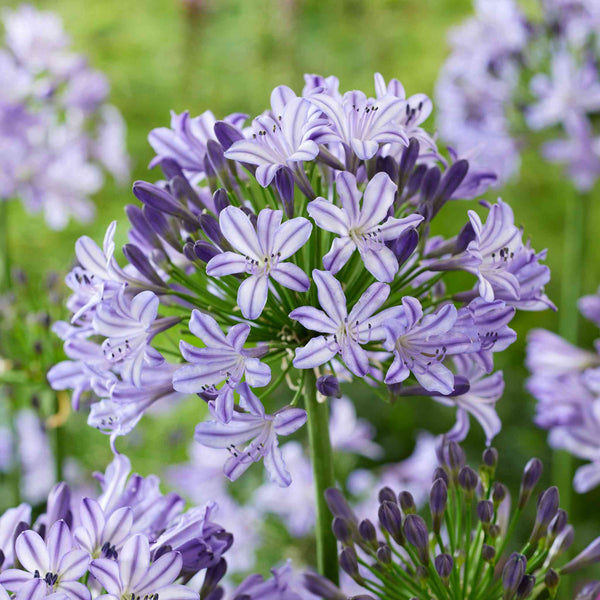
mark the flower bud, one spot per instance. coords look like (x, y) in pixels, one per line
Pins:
(561, 544)
(205, 251)
(227, 134)
(546, 510)
(513, 574)
(488, 553)
(407, 163)
(338, 505)
(485, 512)
(552, 579)
(349, 563)
(328, 385)
(391, 520)
(589, 556)
(341, 530)
(386, 494)
(210, 228)
(220, 200)
(438, 500)
(443, 565)
(322, 587)
(415, 530)
(440, 473)
(557, 524)
(526, 587)
(384, 554)
(468, 480)
(499, 492)
(284, 182)
(405, 245)
(494, 531)
(212, 577)
(407, 503)
(367, 531)
(455, 457)
(531, 475)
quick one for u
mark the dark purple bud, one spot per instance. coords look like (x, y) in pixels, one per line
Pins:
(251, 215)
(159, 199)
(468, 480)
(552, 579)
(438, 499)
(164, 549)
(407, 162)
(429, 187)
(2, 558)
(485, 511)
(140, 261)
(391, 520)
(490, 458)
(59, 504)
(341, 530)
(440, 473)
(590, 591)
(386, 494)
(183, 192)
(338, 505)
(211, 174)
(526, 587)
(349, 563)
(464, 238)
(388, 165)
(367, 532)
(407, 503)
(589, 556)
(210, 228)
(415, 530)
(205, 251)
(170, 168)
(531, 475)
(499, 492)
(213, 576)
(217, 594)
(415, 180)
(214, 151)
(453, 177)
(284, 182)
(444, 565)
(328, 385)
(322, 587)
(461, 386)
(220, 200)
(188, 251)
(558, 524)
(546, 510)
(141, 226)
(384, 554)
(405, 245)
(512, 574)
(227, 134)
(494, 531)
(454, 456)
(488, 553)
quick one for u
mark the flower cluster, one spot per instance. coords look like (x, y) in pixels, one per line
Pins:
(508, 73)
(55, 121)
(463, 551)
(565, 381)
(296, 249)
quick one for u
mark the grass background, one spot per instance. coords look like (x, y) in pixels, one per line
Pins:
(158, 57)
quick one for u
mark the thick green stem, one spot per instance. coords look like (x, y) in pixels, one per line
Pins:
(322, 464)
(4, 247)
(573, 255)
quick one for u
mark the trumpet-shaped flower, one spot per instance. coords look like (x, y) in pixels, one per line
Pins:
(258, 431)
(346, 332)
(261, 252)
(222, 360)
(365, 228)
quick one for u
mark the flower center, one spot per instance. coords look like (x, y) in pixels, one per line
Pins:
(366, 240)
(263, 266)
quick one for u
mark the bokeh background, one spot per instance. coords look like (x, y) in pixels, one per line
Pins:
(226, 55)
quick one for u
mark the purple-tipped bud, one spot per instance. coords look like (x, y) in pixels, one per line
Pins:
(284, 182)
(384, 554)
(499, 492)
(342, 530)
(490, 458)
(155, 197)
(552, 579)
(367, 532)
(205, 251)
(488, 553)
(407, 161)
(525, 587)
(531, 475)
(328, 385)
(444, 564)
(140, 261)
(557, 524)
(59, 504)
(386, 494)
(405, 245)
(212, 577)
(468, 480)
(441, 473)
(388, 165)
(415, 180)
(391, 520)
(220, 200)
(181, 189)
(438, 500)
(188, 251)
(211, 229)
(160, 225)
(430, 185)
(215, 154)
(170, 168)
(415, 530)
(546, 510)
(349, 563)
(589, 556)
(453, 177)
(227, 134)
(464, 238)
(454, 456)
(140, 225)
(512, 574)
(485, 511)
(322, 587)
(338, 505)
(407, 503)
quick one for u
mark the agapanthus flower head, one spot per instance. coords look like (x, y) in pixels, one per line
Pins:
(461, 546)
(295, 251)
(55, 121)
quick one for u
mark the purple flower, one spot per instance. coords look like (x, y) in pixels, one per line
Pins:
(132, 575)
(589, 306)
(51, 566)
(260, 252)
(365, 228)
(130, 325)
(256, 429)
(222, 360)
(280, 587)
(361, 124)
(282, 140)
(345, 332)
(8, 525)
(421, 343)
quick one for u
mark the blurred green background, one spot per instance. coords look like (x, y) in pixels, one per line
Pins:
(227, 56)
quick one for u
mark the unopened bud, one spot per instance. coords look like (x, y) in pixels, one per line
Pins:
(407, 503)
(531, 475)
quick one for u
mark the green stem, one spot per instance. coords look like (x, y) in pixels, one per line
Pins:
(322, 464)
(5, 246)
